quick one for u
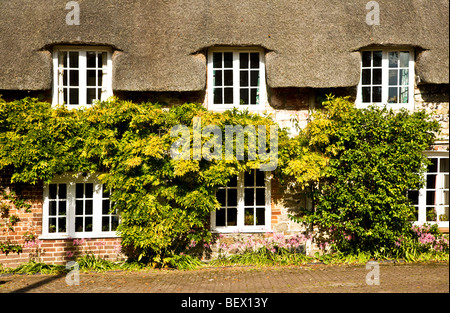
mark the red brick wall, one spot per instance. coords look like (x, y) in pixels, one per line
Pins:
(51, 251)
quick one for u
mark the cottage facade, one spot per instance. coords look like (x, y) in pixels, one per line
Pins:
(280, 57)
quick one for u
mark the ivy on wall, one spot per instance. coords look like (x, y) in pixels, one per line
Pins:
(354, 160)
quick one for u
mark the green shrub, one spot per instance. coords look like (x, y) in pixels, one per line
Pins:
(374, 157)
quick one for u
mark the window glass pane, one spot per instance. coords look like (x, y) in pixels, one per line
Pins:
(404, 59)
(243, 95)
(392, 96)
(260, 196)
(105, 206)
(377, 57)
(91, 95)
(249, 198)
(79, 207)
(114, 222)
(228, 78)
(366, 77)
(260, 178)
(231, 217)
(88, 224)
(404, 77)
(73, 96)
(52, 208)
(66, 93)
(431, 181)
(217, 59)
(393, 59)
(62, 191)
(253, 96)
(78, 224)
(62, 208)
(404, 95)
(105, 223)
(228, 95)
(254, 78)
(228, 60)
(65, 73)
(430, 198)
(105, 192)
(232, 197)
(73, 59)
(366, 58)
(218, 96)
(220, 217)
(73, 78)
(260, 216)
(254, 60)
(217, 78)
(62, 224)
(243, 60)
(431, 215)
(91, 78)
(444, 166)
(376, 79)
(366, 95)
(248, 216)
(89, 190)
(79, 190)
(243, 78)
(432, 168)
(393, 77)
(99, 78)
(376, 97)
(88, 207)
(249, 179)
(52, 188)
(52, 225)
(91, 59)
(220, 195)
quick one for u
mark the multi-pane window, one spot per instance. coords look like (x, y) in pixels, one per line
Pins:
(386, 78)
(78, 208)
(244, 204)
(432, 201)
(81, 76)
(236, 78)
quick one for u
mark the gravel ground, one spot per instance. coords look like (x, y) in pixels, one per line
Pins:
(393, 278)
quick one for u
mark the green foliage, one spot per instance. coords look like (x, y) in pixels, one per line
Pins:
(374, 157)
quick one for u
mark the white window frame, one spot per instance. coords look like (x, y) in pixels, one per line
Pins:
(58, 93)
(71, 180)
(385, 80)
(440, 181)
(236, 80)
(241, 227)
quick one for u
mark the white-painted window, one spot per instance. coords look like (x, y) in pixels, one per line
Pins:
(387, 78)
(78, 208)
(236, 78)
(81, 75)
(245, 204)
(432, 201)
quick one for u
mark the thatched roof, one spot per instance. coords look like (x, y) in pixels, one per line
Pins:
(160, 44)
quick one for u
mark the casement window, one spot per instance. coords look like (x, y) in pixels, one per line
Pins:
(245, 204)
(387, 77)
(236, 78)
(81, 75)
(432, 201)
(78, 208)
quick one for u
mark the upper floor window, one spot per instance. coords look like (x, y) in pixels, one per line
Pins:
(81, 75)
(236, 78)
(387, 77)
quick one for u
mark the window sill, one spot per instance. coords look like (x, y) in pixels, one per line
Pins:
(78, 236)
(234, 230)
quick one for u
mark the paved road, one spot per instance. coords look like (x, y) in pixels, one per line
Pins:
(393, 278)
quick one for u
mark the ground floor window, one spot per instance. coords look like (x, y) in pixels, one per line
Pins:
(78, 207)
(245, 204)
(432, 201)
